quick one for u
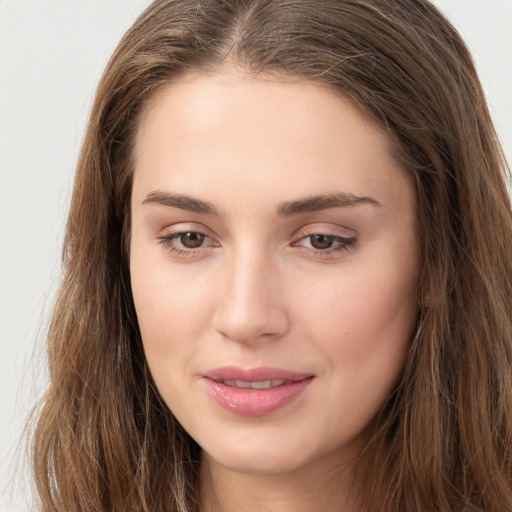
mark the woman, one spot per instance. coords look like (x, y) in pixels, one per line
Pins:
(288, 270)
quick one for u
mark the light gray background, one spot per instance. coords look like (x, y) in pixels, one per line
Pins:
(52, 53)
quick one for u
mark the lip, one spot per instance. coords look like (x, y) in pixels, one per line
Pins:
(255, 402)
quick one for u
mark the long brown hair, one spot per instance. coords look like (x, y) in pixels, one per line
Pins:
(443, 442)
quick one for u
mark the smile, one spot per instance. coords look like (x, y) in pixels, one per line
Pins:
(257, 391)
(244, 384)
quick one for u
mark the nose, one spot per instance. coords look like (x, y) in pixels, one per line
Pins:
(250, 305)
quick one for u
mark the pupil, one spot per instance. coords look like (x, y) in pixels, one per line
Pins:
(321, 241)
(192, 240)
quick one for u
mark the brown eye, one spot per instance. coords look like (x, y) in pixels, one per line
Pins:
(322, 241)
(192, 239)
(326, 245)
(188, 243)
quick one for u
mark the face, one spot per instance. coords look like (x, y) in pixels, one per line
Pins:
(274, 266)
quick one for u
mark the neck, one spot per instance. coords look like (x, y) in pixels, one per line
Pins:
(321, 485)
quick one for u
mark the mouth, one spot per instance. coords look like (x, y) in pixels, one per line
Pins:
(255, 392)
(257, 378)
(262, 384)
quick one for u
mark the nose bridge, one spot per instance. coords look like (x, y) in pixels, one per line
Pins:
(249, 306)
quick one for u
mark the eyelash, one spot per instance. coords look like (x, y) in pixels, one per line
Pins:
(167, 240)
(344, 243)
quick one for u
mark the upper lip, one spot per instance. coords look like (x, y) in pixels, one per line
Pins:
(259, 374)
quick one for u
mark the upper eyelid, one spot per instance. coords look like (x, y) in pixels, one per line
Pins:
(187, 227)
(332, 230)
(328, 229)
(168, 237)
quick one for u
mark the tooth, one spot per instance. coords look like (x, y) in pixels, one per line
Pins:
(261, 385)
(244, 384)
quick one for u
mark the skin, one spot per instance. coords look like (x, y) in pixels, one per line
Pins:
(255, 291)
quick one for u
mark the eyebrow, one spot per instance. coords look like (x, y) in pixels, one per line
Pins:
(286, 209)
(324, 202)
(182, 202)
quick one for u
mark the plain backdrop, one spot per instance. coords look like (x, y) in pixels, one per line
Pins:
(52, 53)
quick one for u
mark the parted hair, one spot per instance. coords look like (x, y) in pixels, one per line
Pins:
(104, 441)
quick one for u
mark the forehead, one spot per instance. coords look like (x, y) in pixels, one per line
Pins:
(215, 132)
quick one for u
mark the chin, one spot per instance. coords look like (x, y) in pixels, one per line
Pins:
(256, 462)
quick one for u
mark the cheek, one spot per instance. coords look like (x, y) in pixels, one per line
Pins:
(170, 307)
(364, 321)
(363, 335)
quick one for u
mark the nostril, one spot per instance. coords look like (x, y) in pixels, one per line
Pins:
(247, 307)
(245, 326)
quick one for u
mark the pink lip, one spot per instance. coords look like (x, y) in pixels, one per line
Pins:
(255, 402)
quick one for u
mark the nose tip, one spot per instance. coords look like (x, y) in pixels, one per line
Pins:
(250, 328)
(250, 306)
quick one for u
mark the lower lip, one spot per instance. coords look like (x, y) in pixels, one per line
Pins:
(255, 402)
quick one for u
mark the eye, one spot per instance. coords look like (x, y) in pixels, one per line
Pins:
(191, 239)
(186, 242)
(326, 244)
(322, 242)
